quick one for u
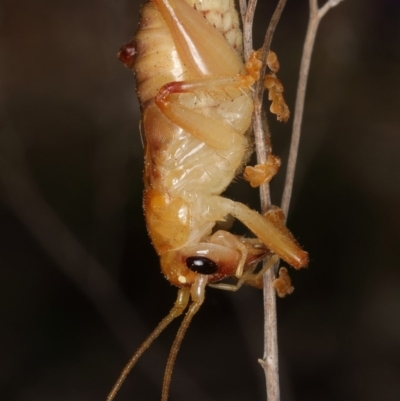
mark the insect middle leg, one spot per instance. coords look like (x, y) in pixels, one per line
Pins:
(209, 130)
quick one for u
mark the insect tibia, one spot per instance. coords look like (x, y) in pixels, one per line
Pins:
(270, 229)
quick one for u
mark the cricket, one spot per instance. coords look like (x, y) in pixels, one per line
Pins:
(196, 97)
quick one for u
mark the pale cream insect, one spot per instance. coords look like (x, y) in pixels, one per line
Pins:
(196, 102)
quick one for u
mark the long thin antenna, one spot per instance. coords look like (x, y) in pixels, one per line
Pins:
(197, 294)
(178, 308)
(193, 308)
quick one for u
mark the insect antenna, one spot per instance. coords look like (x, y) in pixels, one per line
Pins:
(179, 306)
(197, 292)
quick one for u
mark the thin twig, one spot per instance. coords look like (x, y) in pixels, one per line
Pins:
(316, 14)
(243, 8)
(262, 142)
(260, 127)
(247, 13)
(261, 134)
(266, 47)
(262, 139)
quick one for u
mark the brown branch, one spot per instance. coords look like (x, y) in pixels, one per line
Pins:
(247, 14)
(270, 362)
(261, 134)
(243, 9)
(316, 14)
(266, 47)
(260, 126)
(262, 142)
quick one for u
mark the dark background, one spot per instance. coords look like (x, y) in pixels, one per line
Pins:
(80, 286)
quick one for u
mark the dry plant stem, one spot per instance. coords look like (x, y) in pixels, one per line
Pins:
(262, 142)
(265, 50)
(316, 14)
(260, 127)
(270, 362)
(247, 36)
(270, 358)
(247, 13)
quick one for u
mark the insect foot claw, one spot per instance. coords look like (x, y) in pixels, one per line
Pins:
(275, 88)
(262, 173)
(283, 284)
(271, 82)
(254, 64)
(272, 61)
(278, 105)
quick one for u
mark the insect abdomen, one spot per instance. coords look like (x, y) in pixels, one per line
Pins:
(157, 61)
(180, 168)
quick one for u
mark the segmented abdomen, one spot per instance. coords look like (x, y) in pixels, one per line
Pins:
(158, 61)
(178, 165)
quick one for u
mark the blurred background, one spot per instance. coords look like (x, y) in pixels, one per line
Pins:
(80, 284)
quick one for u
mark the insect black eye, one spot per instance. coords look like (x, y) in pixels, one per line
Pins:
(201, 265)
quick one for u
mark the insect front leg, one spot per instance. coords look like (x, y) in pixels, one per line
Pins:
(249, 277)
(269, 229)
